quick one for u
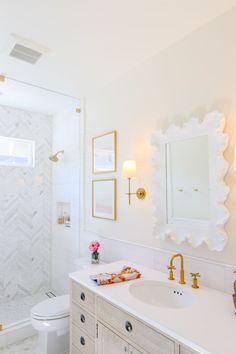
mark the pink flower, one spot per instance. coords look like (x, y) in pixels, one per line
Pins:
(94, 246)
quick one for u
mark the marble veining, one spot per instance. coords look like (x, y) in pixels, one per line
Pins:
(25, 209)
(28, 345)
(18, 310)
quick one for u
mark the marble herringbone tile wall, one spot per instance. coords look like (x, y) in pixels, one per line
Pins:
(25, 209)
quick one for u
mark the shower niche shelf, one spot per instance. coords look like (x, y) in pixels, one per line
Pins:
(63, 214)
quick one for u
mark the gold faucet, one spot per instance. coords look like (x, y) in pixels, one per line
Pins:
(171, 267)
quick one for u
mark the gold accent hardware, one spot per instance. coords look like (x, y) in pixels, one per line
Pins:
(234, 298)
(78, 110)
(2, 78)
(195, 280)
(129, 191)
(1, 327)
(140, 192)
(171, 273)
(55, 157)
(171, 267)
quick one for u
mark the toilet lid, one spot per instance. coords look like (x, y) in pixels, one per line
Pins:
(56, 307)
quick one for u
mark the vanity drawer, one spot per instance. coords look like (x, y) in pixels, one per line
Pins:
(83, 319)
(133, 329)
(82, 341)
(74, 350)
(83, 297)
(185, 350)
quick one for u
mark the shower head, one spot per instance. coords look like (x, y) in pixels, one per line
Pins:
(55, 157)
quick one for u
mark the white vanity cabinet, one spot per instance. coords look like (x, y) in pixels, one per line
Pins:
(109, 342)
(82, 320)
(99, 327)
(133, 330)
(185, 350)
(132, 350)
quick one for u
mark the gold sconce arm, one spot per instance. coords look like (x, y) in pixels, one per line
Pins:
(140, 192)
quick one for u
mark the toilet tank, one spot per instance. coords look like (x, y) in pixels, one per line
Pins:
(84, 263)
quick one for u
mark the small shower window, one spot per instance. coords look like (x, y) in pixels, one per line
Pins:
(17, 152)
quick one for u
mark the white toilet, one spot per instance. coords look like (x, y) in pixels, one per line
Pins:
(51, 319)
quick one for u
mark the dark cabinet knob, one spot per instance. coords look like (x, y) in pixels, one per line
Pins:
(82, 296)
(82, 340)
(128, 326)
(82, 318)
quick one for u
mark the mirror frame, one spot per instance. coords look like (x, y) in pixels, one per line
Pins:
(211, 232)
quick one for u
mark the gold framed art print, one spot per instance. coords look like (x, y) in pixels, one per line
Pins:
(104, 153)
(104, 199)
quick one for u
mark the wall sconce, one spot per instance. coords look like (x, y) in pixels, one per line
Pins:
(129, 171)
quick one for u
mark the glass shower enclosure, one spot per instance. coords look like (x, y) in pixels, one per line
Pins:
(28, 116)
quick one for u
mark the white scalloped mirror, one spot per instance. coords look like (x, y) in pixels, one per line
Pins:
(189, 189)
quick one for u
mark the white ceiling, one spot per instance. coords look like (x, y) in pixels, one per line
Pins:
(93, 42)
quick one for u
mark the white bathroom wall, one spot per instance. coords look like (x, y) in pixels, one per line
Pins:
(214, 274)
(25, 209)
(66, 172)
(194, 76)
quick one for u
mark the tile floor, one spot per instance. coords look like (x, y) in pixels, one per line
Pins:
(19, 309)
(26, 346)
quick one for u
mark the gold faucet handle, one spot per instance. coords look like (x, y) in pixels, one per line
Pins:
(171, 273)
(195, 280)
(171, 267)
(195, 275)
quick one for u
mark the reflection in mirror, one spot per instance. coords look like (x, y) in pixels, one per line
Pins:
(187, 163)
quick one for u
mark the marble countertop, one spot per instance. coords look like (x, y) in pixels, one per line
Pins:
(208, 326)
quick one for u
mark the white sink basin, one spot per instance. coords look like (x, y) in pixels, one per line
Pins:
(161, 294)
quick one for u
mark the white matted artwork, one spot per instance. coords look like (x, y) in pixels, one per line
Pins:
(104, 199)
(104, 153)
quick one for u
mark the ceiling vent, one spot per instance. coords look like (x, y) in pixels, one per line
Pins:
(26, 54)
(25, 50)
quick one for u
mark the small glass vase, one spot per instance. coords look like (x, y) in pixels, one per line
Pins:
(95, 257)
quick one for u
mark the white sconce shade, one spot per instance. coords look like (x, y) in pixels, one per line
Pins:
(129, 169)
